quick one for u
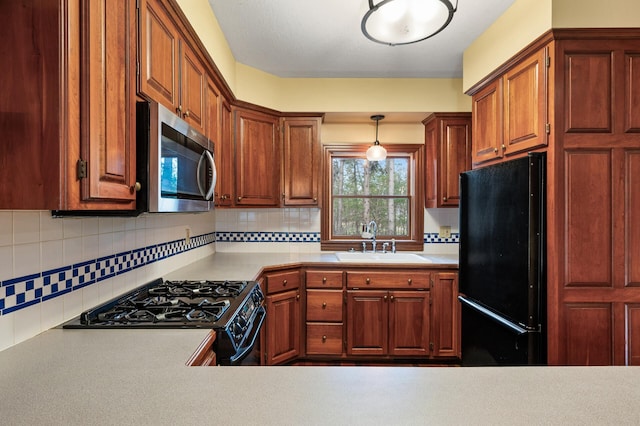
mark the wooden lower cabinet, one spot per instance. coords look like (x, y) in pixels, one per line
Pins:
(388, 323)
(282, 327)
(361, 315)
(284, 317)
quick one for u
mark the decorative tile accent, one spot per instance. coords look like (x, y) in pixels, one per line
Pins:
(434, 238)
(18, 293)
(268, 237)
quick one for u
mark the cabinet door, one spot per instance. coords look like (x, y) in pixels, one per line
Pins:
(301, 166)
(408, 323)
(283, 327)
(192, 88)
(158, 54)
(445, 329)
(107, 116)
(367, 322)
(525, 105)
(223, 150)
(448, 153)
(487, 123)
(257, 159)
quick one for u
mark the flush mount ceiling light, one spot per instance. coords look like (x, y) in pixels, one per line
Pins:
(376, 152)
(397, 22)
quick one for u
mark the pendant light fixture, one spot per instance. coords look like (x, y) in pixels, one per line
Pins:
(397, 22)
(376, 152)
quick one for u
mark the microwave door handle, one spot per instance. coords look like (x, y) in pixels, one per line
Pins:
(214, 175)
(207, 196)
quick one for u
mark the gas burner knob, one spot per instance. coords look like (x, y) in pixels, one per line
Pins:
(242, 322)
(236, 329)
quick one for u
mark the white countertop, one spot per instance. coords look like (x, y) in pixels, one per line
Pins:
(104, 377)
(247, 266)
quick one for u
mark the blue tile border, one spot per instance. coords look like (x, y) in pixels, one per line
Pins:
(18, 293)
(306, 237)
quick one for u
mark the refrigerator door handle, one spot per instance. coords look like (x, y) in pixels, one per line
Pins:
(477, 307)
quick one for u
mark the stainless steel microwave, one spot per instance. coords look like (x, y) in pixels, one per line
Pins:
(175, 163)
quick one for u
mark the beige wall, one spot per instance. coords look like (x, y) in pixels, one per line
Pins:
(523, 22)
(321, 95)
(526, 20)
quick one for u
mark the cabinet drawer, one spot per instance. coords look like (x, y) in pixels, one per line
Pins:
(324, 339)
(395, 279)
(324, 305)
(280, 281)
(324, 279)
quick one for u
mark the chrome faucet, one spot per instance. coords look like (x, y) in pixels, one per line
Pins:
(372, 228)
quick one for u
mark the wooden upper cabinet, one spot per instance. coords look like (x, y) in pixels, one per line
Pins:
(171, 73)
(486, 107)
(223, 151)
(448, 153)
(525, 104)
(301, 165)
(510, 114)
(257, 159)
(159, 49)
(107, 115)
(68, 105)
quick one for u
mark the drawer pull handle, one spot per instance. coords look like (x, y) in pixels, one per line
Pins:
(324, 339)
(368, 281)
(409, 281)
(284, 282)
(324, 305)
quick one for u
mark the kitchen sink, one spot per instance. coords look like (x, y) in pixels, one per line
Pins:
(359, 257)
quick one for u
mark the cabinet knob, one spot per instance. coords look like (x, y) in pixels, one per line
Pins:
(385, 298)
(136, 187)
(324, 339)
(239, 198)
(495, 149)
(409, 281)
(503, 146)
(186, 114)
(297, 297)
(284, 282)
(391, 298)
(324, 279)
(324, 305)
(315, 200)
(444, 198)
(368, 281)
(179, 108)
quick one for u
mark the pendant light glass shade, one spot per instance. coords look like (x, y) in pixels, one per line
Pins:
(376, 152)
(397, 22)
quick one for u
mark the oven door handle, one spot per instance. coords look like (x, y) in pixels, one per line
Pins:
(255, 332)
(209, 193)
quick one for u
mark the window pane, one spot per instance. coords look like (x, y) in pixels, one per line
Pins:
(357, 176)
(390, 214)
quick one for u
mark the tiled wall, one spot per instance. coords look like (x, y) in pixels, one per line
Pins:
(52, 269)
(297, 230)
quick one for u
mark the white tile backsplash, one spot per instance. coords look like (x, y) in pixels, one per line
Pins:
(32, 242)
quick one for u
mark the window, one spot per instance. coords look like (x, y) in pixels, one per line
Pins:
(387, 192)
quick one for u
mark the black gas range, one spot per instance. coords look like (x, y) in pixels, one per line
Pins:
(235, 309)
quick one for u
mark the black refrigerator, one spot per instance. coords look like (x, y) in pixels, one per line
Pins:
(502, 263)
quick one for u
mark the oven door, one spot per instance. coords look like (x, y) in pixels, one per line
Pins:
(249, 352)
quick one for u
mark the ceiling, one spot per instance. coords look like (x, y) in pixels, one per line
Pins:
(322, 38)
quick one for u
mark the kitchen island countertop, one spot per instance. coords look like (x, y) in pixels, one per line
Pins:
(117, 376)
(108, 377)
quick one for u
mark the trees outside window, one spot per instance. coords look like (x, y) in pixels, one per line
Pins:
(360, 191)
